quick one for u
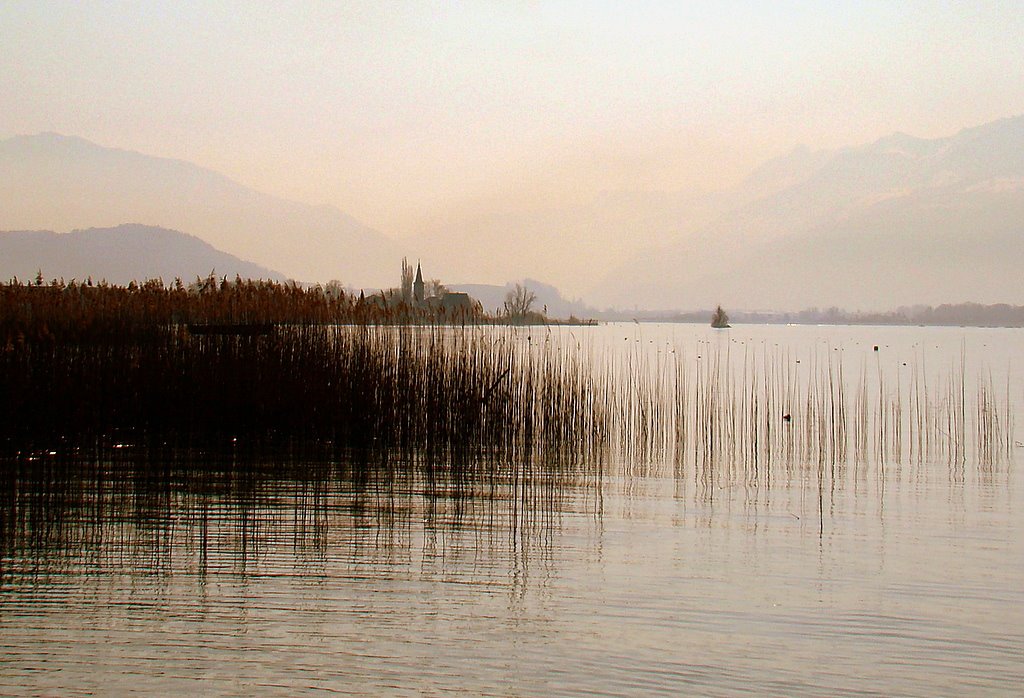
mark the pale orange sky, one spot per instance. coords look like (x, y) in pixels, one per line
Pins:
(412, 115)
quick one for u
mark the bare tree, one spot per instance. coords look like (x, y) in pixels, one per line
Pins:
(518, 301)
(435, 288)
(334, 289)
(407, 275)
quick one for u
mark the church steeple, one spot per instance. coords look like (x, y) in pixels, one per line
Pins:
(417, 286)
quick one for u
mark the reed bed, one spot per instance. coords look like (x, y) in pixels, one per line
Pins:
(84, 311)
(747, 416)
(87, 366)
(473, 392)
(433, 391)
(115, 413)
(461, 415)
(455, 421)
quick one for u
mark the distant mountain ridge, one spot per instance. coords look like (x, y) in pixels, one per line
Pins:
(118, 255)
(548, 299)
(899, 221)
(54, 182)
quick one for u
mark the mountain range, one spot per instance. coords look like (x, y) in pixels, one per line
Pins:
(119, 255)
(899, 221)
(55, 182)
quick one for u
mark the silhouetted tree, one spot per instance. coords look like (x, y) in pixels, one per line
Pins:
(407, 277)
(519, 301)
(720, 318)
(435, 288)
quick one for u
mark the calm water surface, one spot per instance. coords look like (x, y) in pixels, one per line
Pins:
(899, 577)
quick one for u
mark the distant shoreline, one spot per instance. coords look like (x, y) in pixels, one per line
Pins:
(946, 315)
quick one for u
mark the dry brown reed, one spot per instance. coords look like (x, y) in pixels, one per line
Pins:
(737, 417)
(464, 406)
(82, 364)
(76, 311)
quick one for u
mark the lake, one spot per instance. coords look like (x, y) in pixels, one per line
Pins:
(852, 522)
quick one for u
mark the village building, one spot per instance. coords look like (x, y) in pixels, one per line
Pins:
(417, 286)
(447, 302)
(453, 305)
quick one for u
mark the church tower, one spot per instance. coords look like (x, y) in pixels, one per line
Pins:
(417, 286)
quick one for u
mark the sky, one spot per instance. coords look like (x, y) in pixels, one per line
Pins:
(408, 113)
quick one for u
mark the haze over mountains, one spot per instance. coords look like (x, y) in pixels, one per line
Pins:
(896, 222)
(61, 183)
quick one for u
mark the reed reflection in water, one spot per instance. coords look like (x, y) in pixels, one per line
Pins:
(156, 572)
(165, 512)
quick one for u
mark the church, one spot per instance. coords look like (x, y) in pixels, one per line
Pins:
(447, 301)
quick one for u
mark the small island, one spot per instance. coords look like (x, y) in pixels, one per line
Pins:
(720, 320)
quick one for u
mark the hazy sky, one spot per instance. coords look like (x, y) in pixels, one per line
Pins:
(404, 114)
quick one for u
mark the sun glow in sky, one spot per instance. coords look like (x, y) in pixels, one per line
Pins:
(410, 115)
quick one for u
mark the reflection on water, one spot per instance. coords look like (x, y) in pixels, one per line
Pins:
(168, 571)
(164, 512)
(776, 570)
